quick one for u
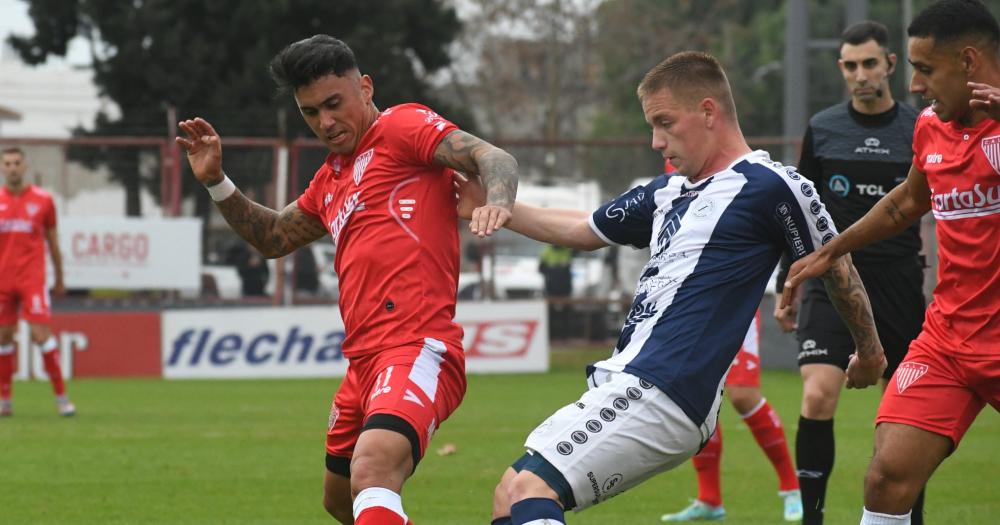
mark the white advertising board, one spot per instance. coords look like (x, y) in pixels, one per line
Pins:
(267, 342)
(131, 253)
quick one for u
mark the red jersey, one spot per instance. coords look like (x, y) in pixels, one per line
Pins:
(391, 211)
(24, 220)
(963, 172)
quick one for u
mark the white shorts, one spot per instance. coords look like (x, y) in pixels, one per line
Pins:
(620, 433)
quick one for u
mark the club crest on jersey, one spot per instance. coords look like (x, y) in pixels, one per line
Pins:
(31, 208)
(991, 147)
(360, 164)
(908, 373)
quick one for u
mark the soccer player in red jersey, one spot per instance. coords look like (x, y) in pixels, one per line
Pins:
(386, 197)
(952, 369)
(27, 222)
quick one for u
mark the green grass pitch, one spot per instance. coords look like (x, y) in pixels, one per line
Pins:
(251, 452)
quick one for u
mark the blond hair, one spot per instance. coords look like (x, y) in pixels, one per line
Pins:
(691, 76)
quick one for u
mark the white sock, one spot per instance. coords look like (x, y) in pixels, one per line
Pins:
(378, 497)
(876, 518)
(48, 345)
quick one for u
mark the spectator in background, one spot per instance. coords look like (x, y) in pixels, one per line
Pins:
(555, 265)
(251, 267)
(27, 223)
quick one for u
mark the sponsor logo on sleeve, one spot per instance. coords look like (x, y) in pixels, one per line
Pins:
(806, 189)
(620, 209)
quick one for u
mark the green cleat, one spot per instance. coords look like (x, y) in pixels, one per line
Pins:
(697, 511)
(793, 504)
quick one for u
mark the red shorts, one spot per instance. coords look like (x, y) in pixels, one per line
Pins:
(31, 297)
(938, 392)
(421, 384)
(745, 370)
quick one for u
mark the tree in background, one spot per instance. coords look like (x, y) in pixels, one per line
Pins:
(210, 59)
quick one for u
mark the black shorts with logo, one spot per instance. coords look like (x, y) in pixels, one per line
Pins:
(896, 294)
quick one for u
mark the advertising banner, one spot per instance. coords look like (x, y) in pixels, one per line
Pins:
(131, 253)
(306, 341)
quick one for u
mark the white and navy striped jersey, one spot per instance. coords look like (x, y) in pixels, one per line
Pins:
(713, 246)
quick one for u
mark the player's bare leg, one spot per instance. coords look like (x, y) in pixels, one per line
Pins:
(41, 336)
(383, 460)
(905, 457)
(7, 355)
(337, 497)
(501, 496)
(532, 499)
(814, 442)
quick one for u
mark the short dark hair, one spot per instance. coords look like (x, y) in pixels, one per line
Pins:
(12, 150)
(947, 21)
(302, 62)
(690, 76)
(862, 32)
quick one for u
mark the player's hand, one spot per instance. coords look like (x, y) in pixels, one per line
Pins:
(488, 219)
(812, 265)
(863, 373)
(986, 98)
(471, 194)
(59, 289)
(204, 150)
(786, 317)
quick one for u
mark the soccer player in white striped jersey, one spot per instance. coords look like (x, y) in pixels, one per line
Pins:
(715, 232)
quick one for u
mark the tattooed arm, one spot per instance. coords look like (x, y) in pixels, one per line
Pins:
(847, 293)
(495, 167)
(274, 234)
(895, 212)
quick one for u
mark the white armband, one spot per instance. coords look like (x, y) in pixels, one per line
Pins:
(222, 190)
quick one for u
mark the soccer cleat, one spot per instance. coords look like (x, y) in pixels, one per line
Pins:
(697, 511)
(6, 408)
(66, 409)
(793, 504)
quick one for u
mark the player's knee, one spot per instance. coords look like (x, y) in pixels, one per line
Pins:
(501, 500)
(883, 476)
(527, 485)
(819, 403)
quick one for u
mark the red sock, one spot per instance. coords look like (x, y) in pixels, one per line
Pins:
(770, 435)
(6, 374)
(50, 356)
(379, 516)
(706, 464)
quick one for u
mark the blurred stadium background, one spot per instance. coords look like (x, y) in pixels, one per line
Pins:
(160, 288)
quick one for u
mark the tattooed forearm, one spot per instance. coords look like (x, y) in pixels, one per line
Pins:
(474, 156)
(498, 169)
(274, 234)
(848, 295)
(896, 213)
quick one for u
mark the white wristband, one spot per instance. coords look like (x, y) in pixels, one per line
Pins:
(222, 190)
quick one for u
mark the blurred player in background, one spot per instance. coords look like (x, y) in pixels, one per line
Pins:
(385, 196)
(952, 369)
(855, 152)
(743, 391)
(716, 231)
(27, 223)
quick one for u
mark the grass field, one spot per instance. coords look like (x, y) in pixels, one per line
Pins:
(208, 452)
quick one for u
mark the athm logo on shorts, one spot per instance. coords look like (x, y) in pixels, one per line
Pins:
(594, 426)
(607, 414)
(564, 448)
(633, 392)
(620, 403)
(579, 436)
(908, 373)
(645, 384)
